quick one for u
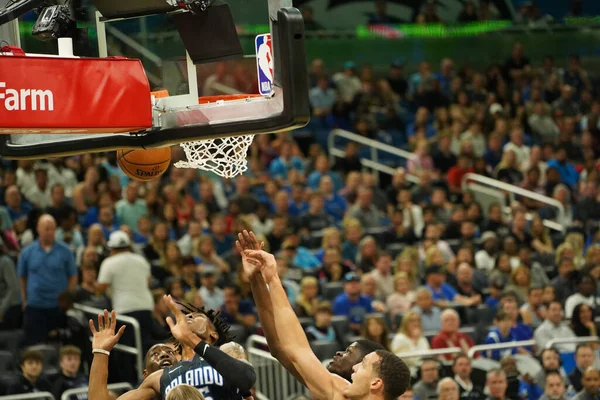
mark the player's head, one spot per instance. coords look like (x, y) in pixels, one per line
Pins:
(159, 356)
(380, 374)
(184, 392)
(207, 324)
(343, 361)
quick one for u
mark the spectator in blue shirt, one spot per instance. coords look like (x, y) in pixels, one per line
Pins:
(351, 303)
(442, 292)
(335, 205)
(322, 169)
(322, 98)
(281, 166)
(236, 311)
(46, 268)
(567, 171)
(500, 333)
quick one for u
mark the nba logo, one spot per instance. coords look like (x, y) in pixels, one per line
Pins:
(264, 63)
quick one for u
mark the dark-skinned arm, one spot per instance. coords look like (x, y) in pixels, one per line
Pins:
(105, 339)
(236, 373)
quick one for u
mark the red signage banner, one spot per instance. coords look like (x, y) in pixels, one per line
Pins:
(73, 95)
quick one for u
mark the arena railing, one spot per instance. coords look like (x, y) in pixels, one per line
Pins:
(273, 381)
(572, 340)
(499, 346)
(29, 396)
(430, 352)
(123, 386)
(137, 350)
(513, 190)
(375, 146)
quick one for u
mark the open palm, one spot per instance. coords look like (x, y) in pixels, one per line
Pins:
(248, 241)
(105, 337)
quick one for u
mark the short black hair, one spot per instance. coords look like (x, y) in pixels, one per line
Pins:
(221, 326)
(368, 346)
(394, 373)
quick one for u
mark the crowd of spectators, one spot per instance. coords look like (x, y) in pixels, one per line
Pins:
(413, 266)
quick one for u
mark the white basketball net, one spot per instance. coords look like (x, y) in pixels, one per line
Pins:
(225, 156)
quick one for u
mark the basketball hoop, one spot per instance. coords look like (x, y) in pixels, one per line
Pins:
(225, 156)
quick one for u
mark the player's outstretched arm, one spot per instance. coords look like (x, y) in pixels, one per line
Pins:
(105, 339)
(260, 294)
(236, 373)
(295, 346)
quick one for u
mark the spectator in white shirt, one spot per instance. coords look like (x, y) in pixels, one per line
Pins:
(485, 259)
(518, 148)
(38, 193)
(586, 293)
(553, 328)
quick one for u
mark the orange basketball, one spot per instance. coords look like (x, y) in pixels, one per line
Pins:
(144, 165)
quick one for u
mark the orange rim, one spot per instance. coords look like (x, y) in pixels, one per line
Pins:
(226, 97)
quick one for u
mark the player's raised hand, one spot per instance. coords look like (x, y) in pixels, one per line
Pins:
(179, 328)
(264, 261)
(105, 337)
(248, 241)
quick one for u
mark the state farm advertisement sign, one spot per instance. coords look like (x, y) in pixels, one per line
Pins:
(51, 95)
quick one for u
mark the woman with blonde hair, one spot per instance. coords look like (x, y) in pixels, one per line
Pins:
(332, 238)
(205, 253)
(307, 301)
(403, 297)
(405, 263)
(184, 392)
(592, 255)
(409, 338)
(507, 170)
(577, 242)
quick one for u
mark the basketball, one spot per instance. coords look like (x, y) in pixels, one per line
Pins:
(144, 165)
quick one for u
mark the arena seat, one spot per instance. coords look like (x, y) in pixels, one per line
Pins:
(306, 321)
(325, 349)
(340, 323)
(7, 379)
(332, 290)
(239, 333)
(7, 361)
(11, 340)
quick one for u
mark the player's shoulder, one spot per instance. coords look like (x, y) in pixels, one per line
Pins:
(339, 385)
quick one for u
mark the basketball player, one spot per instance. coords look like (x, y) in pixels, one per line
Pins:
(380, 376)
(342, 362)
(215, 374)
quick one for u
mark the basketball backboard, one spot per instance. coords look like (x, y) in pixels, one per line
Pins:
(180, 118)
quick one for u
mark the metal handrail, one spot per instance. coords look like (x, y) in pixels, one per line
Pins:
(373, 144)
(513, 189)
(498, 346)
(27, 396)
(430, 352)
(572, 340)
(137, 350)
(379, 167)
(82, 390)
